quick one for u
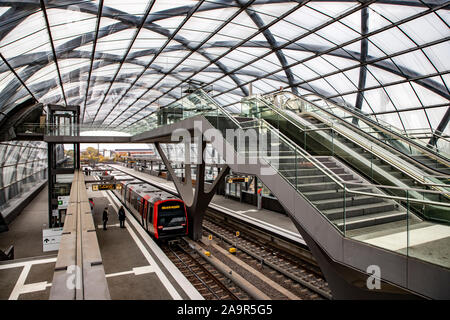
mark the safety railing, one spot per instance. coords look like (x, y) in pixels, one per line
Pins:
(49, 129)
(258, 107)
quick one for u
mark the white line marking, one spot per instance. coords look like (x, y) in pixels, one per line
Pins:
(100, 226)
(33, 287)
(24, 263)
(20, 282)
(117, 274)
(136, 271)
(143, 270)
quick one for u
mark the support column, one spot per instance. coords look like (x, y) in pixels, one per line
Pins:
(196, 200)
(51, 175)
(76, 156)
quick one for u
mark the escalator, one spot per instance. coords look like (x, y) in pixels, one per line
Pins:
(434, 160)
(376, 160)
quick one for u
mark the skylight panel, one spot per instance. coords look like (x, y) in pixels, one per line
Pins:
(341, 83)
(293, 56)
(307, 18)
(428, 97)
(332, 8)
(302, 72)
(378, 100)
(338, 33)
(46, 73)
(286, 31)
(426, 29)
(395, 12)
(383, 76)
(240, 28)
(414, 119)
(322, 87)
(66, 24)
(435, 116)
(134, 7)
(320, 66)
(414, 61)
(438, 54)
(391, 41)
(403, 96)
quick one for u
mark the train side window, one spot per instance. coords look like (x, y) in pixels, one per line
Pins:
(150, 214)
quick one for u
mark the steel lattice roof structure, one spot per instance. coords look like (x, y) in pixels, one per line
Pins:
(122, 60)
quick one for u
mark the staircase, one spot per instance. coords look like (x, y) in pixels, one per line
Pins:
(333, 207)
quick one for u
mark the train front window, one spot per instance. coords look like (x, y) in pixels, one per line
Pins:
(171, 215)
(171, 220)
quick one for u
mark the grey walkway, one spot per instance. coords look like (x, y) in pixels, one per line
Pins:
(25, 231)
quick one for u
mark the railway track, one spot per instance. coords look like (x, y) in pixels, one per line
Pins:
(292, 266)
(209, 282)
(295, 274)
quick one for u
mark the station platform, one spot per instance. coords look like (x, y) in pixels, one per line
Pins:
(135, 267)
(269, 220)
(30, 274)
(25, 231)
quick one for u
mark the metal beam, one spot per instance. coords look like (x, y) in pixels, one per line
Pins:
(94, 45)
(144, 18)
(440, 128)
(363, 59)
(17, 76)
(170, 38)
(273, 44)
(49, 31)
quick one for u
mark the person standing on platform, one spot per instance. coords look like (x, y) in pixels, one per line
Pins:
(105, 218)
(259, 199)
(122, 217)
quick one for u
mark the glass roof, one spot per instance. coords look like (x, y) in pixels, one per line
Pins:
(121, 60)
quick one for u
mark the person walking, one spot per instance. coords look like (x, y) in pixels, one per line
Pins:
(105, 217)
(122, 217)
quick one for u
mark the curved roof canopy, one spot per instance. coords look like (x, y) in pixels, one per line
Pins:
(121, 60)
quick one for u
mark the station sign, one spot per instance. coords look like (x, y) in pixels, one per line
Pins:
(63, 202)
(109, 186)
(236, 179)
(51, 238)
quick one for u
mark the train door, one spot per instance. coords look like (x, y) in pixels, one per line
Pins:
(122, 193)
(129, 191)
(141, 210)
(144, 217)
(150, 216)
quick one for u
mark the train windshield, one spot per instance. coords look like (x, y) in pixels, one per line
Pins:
(171, 214)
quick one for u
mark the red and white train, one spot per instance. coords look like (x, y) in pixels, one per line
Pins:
(160, 213)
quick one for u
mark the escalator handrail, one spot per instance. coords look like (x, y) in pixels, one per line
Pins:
(364, 118)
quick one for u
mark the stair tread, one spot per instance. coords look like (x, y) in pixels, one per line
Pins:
(369, 217)
(330, 191)
(319, 176)
(358, 207)
(357, 197)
